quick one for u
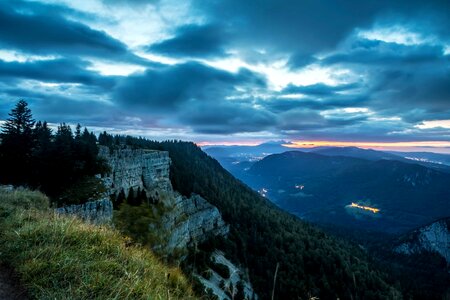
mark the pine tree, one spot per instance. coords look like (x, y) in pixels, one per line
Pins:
(16, 144)
(19, 123)
(78, 132)
(120, 199)
(42, 156)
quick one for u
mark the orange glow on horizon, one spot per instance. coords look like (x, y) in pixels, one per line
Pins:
(312, 144)
(243, 143)
(426, 146)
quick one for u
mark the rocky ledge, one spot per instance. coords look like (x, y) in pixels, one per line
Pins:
(431, 238)
(192, 220)
(97, 212)
(136, 169)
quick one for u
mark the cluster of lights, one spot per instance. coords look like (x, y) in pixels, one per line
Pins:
(372, 209)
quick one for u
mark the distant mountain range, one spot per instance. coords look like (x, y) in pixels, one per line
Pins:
(389, 192)
(247, 152)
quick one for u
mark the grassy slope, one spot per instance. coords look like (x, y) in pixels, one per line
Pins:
(63, 258)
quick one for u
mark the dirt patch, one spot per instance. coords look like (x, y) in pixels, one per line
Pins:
(10, 288)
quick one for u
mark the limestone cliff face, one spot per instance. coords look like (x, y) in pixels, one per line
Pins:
(96, 212)
(136, 168)
(186, 220)
(192, 220)
(432, 238)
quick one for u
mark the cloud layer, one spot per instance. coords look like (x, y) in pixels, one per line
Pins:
(232, 70)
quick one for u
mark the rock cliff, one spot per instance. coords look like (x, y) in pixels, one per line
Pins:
(96, 212)
(136, 168)
(192, 220)
(431, 238)
(185, 221)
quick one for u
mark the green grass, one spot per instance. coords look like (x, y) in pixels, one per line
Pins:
(60, 257)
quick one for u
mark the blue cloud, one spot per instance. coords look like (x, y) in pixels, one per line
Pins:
(39, 32)
(57, 71)
(193, 41)
(170, 87)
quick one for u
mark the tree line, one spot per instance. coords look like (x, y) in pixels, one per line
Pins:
(60, 162)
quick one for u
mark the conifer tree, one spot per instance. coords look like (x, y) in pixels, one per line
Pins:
(17, 144)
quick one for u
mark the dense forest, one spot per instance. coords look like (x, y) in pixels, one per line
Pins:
(62, 164)
(311, 263)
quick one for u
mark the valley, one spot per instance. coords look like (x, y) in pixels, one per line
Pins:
(383, 202)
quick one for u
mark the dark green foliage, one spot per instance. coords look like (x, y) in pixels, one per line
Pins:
(421, 276)
(311, 262)
(119, 199)
(59, 164)
(221, 269)
(240, 295)
(85, 188)
(136, 198)
(17, 144)
(143, 225)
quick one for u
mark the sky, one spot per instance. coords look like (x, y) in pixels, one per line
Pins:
(233, 71)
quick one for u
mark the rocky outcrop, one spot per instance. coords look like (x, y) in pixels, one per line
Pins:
(136, 168)
(432, 238)
(182, 221)
(96, 212)
(187, 220)
(192, 220)
(7, 188)
(226, 288)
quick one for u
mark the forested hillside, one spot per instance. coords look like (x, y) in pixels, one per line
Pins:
(311, 263)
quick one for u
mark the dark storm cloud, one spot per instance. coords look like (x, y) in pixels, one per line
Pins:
(318, 89)
(409, 81)
(279, 104)
(372, 52)
(44, 34)
(56, 71)
(305, 119)
(305, 28)
(46, 9)
(227, 118)
(293, 26)
(300, 60)
(178, 86)
(136, 3)
(193, 41)
(196, 95)
(56, 108)
(416, 95)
